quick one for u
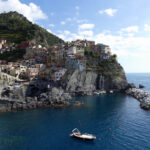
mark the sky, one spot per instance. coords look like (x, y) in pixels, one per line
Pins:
(124, 25)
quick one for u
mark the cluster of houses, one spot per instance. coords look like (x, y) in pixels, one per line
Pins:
(51, 62)
(4, 47)
(21, 69)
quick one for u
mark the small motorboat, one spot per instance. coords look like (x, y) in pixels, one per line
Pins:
(102, 92)
(111, 91)
(85, 136)
(97, 93)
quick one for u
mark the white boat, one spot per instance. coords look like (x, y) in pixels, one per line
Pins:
(97, 93)
(102, 92)
(85, 136)
(111, 91)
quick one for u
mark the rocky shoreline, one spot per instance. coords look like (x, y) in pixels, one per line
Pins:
(142, 96)
(58, 98)
(41, 93)
(54, 98)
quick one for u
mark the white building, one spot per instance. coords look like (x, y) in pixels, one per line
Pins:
(75, 50)
(105, 51)
(1, 46)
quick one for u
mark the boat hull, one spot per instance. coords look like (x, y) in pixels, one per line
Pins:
(83, 136)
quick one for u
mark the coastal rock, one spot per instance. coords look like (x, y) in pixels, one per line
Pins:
(66, 96)
(80, 81)
(142, 96)
(77, 104)
(56, 97)
(5, 106)
(130, 85)
(114, 78)
(86, 82)
(56, 93)
(141, 86)
(118, 84)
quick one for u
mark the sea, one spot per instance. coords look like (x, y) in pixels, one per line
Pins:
(116, 119)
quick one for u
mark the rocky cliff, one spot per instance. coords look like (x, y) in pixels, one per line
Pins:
(114, 77)
(37, 95)
(15, 100)
(31, 95)
(107, 76)
(80, 81)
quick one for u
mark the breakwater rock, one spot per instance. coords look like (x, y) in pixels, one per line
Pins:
(142, 96)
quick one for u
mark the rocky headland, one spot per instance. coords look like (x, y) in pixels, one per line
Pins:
(45, 71)
(37, 94)
(108, 75)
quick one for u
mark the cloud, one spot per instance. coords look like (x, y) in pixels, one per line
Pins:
(49, 30)
(68, 36)
(76, 20)
(130, 29)
(133, 51)
(146, 27)
(62, 22)
(110, 11)
(77, 7)
(67, 32)
(51, 25)
(86, 26)
(73, 20)
(86, 34)
(31, 11)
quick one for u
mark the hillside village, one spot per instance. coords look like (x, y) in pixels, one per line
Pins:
(49, 63)
(38, 69)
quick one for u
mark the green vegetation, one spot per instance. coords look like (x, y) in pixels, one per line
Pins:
(13, 56)
(15, 28)
(107, 68)
(92, 54)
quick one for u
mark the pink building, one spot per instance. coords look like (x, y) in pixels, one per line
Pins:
(3, 42)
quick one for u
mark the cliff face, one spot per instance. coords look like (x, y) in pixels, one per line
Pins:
(115, 78)
(80, 81)
(111, 76)
(15, 99)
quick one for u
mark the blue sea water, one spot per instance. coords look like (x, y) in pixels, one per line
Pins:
(117, 121)
(140, 78)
